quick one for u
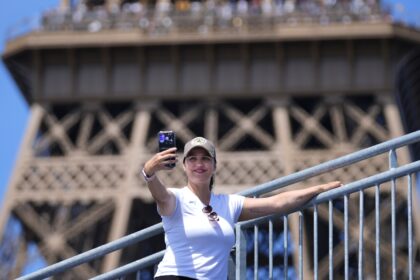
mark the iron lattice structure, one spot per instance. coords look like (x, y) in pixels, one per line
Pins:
(273, 105)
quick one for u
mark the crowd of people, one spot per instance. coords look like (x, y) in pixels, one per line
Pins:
(165, 16)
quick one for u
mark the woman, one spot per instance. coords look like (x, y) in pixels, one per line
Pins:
(198, 224)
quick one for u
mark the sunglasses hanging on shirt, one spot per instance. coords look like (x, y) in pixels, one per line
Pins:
(211, 215)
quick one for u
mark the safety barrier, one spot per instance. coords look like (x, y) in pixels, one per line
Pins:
(376, 182)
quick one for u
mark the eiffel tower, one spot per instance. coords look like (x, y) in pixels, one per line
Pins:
(277, 90)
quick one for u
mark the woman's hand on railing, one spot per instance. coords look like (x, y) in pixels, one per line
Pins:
(328, 186)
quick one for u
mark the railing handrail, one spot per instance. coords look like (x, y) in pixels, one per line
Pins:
(131, 267)
(255, 191)
(95, 252)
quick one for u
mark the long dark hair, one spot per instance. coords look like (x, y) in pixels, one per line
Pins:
(211, 183)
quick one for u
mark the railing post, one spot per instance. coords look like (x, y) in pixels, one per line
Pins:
(286, 246)
(361, 234)
(240, 253)
(377, 233)
(330, 240)
(315, 232)
(231, 266)
(300, 245)
(256, 233)
(270, 249)
(393, 163)
(346, 237)
(410, 227)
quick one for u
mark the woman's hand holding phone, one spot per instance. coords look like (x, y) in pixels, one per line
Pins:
(161, 161)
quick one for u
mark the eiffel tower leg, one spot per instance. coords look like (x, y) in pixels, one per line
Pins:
(24, 152)
(124, 197)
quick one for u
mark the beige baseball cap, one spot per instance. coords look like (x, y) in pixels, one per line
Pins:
(200, 142)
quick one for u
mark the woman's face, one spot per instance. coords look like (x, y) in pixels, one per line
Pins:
(199, 166)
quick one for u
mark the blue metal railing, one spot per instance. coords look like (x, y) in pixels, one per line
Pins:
(344, 192)
(328, 197)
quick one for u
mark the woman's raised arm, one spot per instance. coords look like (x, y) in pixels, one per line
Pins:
(164, 198)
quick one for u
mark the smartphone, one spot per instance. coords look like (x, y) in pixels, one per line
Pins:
(166, 140)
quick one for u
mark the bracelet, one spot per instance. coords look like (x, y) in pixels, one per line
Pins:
(146, 177)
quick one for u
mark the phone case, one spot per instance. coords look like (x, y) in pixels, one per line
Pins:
(166, 140)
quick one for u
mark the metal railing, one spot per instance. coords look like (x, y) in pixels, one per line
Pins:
(358, 187)
(355, 187)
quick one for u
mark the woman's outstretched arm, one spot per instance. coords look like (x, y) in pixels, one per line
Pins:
(282, 202)
(164, 198)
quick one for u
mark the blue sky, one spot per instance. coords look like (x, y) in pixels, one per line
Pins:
(14, 112)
